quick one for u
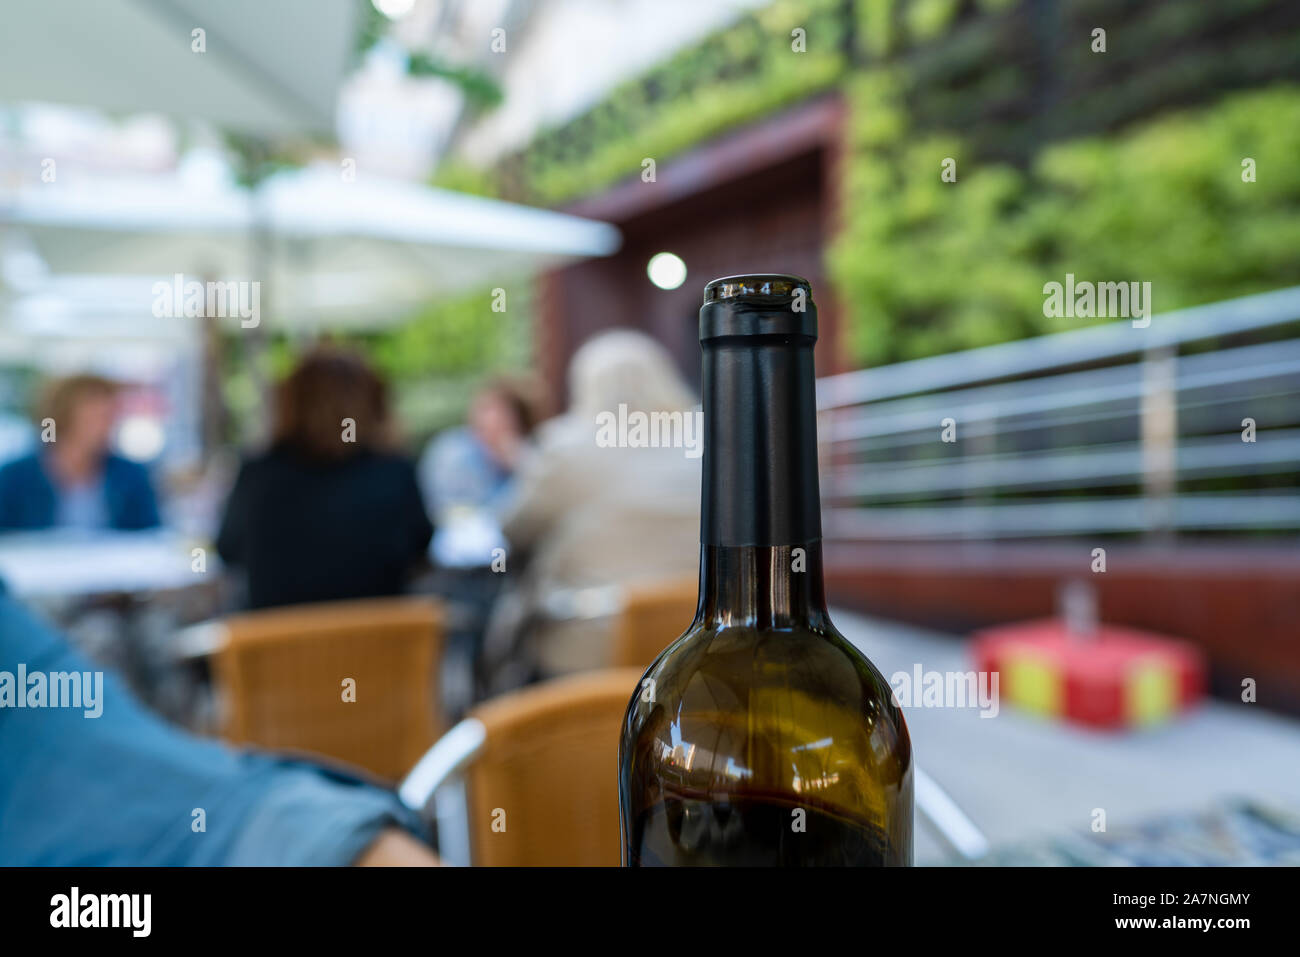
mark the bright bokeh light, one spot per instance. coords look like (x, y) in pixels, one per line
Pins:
(666, 270)
(394, 9)
(140, 437)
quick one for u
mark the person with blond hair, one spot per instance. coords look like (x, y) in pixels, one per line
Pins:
(74, 480)
(591, 510)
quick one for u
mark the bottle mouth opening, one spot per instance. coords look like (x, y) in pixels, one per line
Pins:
(765, 287)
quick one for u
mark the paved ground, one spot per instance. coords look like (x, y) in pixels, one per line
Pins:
(1021, 777)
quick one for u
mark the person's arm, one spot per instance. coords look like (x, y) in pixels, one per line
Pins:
(109, 783)
(232, 537)
(449, 474)
(144, 512)
(9, 499)
(417, 516)
(396, 848)
(132, 504)
(540, 495)
(26, 495)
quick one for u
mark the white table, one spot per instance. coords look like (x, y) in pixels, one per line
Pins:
(59, 564)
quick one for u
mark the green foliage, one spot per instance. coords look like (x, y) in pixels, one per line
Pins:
(924, 266)
(927, 19)
(256, 157)
(455, 336)
(877, 30)
(928, 267)
(735, 76)
(481, 90)
(466, 178)
(433, 358)
(371, 28)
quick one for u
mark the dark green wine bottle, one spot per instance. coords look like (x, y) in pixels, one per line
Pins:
(761, 736)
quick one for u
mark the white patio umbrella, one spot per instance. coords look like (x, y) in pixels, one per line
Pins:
(127, 225)
(362, 250)
(330, 251)
(269, 68)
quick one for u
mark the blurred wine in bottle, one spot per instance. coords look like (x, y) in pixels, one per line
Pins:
(762, 736)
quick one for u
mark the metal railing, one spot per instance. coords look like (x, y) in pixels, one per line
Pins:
(1114, 428)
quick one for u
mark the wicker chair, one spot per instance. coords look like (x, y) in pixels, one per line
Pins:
(284, 676)
(652, 616)
(533, 774)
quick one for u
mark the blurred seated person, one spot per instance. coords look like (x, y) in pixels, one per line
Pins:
(330, 511)
(472, 465)
(74, 481)
(592, 514)
(109, 784)
(466, 472)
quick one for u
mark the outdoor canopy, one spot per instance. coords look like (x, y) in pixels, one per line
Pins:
(266, 68)
(331, 250)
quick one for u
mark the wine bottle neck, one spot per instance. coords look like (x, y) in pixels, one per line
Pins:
(760, 533)
(758, 586)
(760, 442)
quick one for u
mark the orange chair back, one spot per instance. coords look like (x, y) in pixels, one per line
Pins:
(652, 617)
(543, 791)
(351, 681)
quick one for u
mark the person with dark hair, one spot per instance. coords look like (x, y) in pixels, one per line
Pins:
(471, 466)
(73, 480)
(330, 511)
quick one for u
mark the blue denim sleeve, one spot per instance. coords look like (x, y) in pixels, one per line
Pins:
(125, 788)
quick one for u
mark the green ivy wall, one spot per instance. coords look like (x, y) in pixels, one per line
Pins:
(1117, 165)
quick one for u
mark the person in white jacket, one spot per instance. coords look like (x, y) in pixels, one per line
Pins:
(609, 496)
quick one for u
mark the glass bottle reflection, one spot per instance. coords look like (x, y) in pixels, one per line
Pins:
(762, 736)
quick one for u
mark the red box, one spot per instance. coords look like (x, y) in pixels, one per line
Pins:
(1117, 677)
